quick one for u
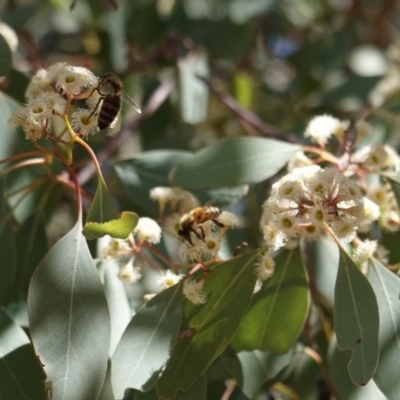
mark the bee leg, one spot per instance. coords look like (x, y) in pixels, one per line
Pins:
(219, 224)
(94, 110)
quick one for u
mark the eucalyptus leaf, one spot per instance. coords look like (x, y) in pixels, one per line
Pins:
(102, 208)
(198, 391)
(69, 319)
(386, 286)
(193, 92)
(21, 376)
(147, 342)
(258, 367)
(5, 56)
(8, 248)
(208, 329)
(356, 320)
(278, 310)
(233, 162)
(394, 181)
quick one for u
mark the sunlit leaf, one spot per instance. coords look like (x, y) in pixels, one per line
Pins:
(69, 319)
(233, 162)
(386, 286)
(208, 329)
(20, 374)
(147, 342)
(116, 228)
(356, 320)
(278, 310)
(259, 367)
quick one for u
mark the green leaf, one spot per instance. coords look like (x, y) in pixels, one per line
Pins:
(356, 320)
(258, 367)
(118, 303)
(116, 228)
(241, 11)
(279, 309)
(8, 137)
(69, 319)
(21, 377)
(233, 162)
(394, 181)
(207, 329)
(346, 389)
(147, 342)
(138, 175)
(8, 249)
(102, 208)
(5, 56)
(193, 92)
(31, 236)
(198, 391)
(386, 286)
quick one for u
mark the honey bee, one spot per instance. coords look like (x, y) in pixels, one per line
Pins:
(110, 90)
(193, 219)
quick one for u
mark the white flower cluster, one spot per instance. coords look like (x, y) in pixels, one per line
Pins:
(51, 92)
(307, 202)
(124, 251)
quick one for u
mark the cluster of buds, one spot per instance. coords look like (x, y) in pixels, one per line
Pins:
(52, 92)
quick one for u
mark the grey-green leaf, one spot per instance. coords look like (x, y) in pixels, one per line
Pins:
(356, 320)
(387, 287)
(21, 377)
(233, 162)
(147, 342)
(69, 319)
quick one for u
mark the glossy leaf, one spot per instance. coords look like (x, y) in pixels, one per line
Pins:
(386, 286)
(116, 228)
(278, 310)
(233, 162)
(258, 367)
(8, 249)
(356, 320)
(147, 342)
(21, 376)
(69, 319)
(193, 92)
(102, 208)
(5, 56)
(208, 329)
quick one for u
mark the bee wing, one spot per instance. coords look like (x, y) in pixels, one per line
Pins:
(128, 100)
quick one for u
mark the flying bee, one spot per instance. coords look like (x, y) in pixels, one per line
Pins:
(194, 219)
(110, 90)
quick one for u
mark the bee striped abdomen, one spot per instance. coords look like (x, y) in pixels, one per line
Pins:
(109, 111)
